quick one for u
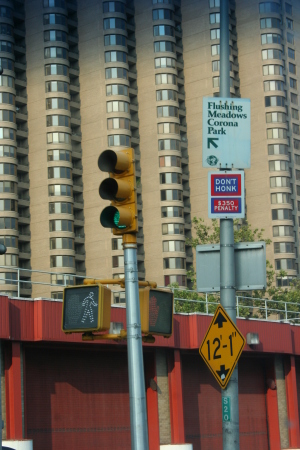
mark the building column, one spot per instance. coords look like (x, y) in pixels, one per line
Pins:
(152, 403)
(163, 396)
(292, 401)
(282, 401)
(176, 401)
(13, 384)
(272, 406)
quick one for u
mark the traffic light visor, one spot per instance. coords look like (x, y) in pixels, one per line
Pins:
(115, 162)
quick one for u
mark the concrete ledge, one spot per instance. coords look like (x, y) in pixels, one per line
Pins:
(19, 445)
(177, 447)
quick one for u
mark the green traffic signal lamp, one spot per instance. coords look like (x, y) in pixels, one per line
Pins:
(119, 188)
(111, 218)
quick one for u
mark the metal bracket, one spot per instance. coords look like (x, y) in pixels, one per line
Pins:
(227, 287)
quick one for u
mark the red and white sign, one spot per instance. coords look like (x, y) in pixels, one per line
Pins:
(226, 195)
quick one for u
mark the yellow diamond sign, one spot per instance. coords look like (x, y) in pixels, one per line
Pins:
(222, 346)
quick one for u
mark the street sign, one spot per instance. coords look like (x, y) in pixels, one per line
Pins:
(226, 133)
(222, 346)
(226, 409)
(250, 266)
(226, 195)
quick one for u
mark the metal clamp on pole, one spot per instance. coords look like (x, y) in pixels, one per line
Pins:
(227, 287)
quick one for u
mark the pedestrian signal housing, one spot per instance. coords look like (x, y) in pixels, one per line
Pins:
(156, 311)
(86, 308)
(120, 189)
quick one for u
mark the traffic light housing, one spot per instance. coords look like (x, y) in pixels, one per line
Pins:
(86, 309)
(120, 189)
(156, 307)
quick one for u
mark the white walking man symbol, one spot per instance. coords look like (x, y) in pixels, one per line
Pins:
(88, 304)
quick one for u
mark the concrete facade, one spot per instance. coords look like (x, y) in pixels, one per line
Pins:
(86, 76)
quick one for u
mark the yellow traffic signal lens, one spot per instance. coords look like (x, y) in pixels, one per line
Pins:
(115, 190)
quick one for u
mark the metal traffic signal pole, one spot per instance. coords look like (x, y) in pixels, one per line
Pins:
(121, 216)
(137, 392)
(227, 263)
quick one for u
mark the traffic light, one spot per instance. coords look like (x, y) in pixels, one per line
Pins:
(156, 311)
(86, 308)
(119, 188)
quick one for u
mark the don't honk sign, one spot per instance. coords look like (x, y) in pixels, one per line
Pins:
(226, 197)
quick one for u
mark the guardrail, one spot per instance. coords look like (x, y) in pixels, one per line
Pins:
(246, 307)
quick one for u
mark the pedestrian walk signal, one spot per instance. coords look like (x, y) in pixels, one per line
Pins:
(86, 308)
(156, 311)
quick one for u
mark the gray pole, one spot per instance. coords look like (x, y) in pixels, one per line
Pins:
(227, 269)
(1, 422)
(137, 393)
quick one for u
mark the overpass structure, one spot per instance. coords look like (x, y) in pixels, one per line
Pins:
(67, 394)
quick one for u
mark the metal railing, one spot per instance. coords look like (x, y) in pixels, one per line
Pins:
(185, 301)
(246, 307)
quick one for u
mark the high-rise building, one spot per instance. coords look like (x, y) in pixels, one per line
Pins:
(82, 76)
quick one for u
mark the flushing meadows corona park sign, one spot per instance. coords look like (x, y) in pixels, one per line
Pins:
(226, 133)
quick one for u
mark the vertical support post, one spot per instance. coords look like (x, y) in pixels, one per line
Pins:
(227, 268)
(176, 398)
(18, 282)
(137, 392)
(152, 400)
(292, 400)
(14, 418)
(272, 405)
(285, 307)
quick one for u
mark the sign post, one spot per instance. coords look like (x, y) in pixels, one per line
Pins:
(231, 436)
(226, 145)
